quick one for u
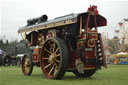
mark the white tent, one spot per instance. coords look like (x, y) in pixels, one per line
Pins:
(124, 53)
(1, 51)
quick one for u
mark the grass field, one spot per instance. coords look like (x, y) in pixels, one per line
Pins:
(113, 75)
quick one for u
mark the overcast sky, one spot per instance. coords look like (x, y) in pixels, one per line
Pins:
(14, 13)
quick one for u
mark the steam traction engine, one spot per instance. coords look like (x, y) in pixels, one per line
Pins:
(68, 43)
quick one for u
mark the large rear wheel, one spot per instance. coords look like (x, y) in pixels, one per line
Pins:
(54, 58)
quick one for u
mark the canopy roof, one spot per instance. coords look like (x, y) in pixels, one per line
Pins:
(59, 21)
(64, 20)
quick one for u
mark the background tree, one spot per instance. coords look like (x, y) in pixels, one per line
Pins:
(13, 47)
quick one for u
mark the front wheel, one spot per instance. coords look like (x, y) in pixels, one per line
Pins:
(54, 58)
(27, 66)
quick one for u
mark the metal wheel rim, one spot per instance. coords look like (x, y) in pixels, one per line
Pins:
(25, 65)
(51, 59)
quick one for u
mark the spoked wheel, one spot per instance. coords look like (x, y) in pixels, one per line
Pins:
(6, 60)
(54, 58)
(27, 66)
(87, 73)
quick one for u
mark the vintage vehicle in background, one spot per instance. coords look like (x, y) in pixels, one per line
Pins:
(5, 59)
(69, 43)
(16, 60)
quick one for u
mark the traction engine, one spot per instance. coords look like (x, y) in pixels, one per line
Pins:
(69, 43)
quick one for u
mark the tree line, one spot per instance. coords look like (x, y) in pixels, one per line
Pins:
(116, 45)
(13, 47)
(18, 47)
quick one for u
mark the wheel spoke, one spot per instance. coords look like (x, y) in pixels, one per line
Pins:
(57, 55)
(26, 68)
(51, 70)
(56, 66)
(55, 70)
(53, 47)
(58, 61)
(56, 50)
(47, 66)
(47, 50)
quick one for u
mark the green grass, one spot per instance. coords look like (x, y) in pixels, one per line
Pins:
(113, 75)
